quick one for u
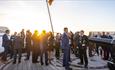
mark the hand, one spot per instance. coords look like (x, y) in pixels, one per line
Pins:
(69, 35)
(83, 44)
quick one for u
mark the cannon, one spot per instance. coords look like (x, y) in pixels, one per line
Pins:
(111, 43)
(102, 40)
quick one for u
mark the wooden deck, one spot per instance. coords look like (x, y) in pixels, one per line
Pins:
(28, 65)
(98, 64)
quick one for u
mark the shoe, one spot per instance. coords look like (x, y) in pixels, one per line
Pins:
(57, 58)
(42, 63)
(50, 62)
(10, 57)
(47, 64)
(37, 61)
(19, 61)
(85, 66)
(105, 59)
(14, 62)
(26, 59)
(33, 62)
(63, 65)
(68, 68)
(80, 63)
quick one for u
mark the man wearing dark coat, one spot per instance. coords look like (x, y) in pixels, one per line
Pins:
(109, 46)
(12, 38)
(44, 47)
(35, 47)
(104, 47)
(97, 44)
(28, 44)
(5, 44)
(18, 48)
(82, 45)
(23, 39)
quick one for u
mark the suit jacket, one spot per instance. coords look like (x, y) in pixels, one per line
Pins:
(44, 42)
(5, 41)
(18, 42)
(28, 39)
(82, 40)
(65, 41)
(76, 40)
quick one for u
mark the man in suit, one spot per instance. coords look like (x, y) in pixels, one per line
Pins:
(44, 47)
(57, 48)
(12, 38)
(82, 45)
(23, 39)
(35, 47)
(18, 48)
(66, 48)
(28, 44)
(5, 44)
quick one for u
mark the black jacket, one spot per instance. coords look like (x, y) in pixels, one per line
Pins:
(5, 41)
(82, 40)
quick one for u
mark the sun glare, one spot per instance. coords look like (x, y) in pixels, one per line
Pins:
(26, 20)
(22, 16)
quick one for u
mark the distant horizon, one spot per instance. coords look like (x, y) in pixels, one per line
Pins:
(87, 33)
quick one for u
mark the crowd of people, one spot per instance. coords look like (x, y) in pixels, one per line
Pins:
(39, 44)
(105, 50)
(42, 46)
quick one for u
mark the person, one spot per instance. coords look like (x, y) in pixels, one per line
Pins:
(12, 38)
(50, 46)
(57, 48)
(71, 41)
(66, 48)
(109, 47)
(104, 47)
(92, 46)
(17, 48)
(71, 35)
(82, 45)
(35, 47)
(97, 44)
(75, 38)
(5, 44)
(28, 44)
(44, 47)
(23, 39)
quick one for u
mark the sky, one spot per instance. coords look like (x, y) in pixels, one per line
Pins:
(87, 15)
